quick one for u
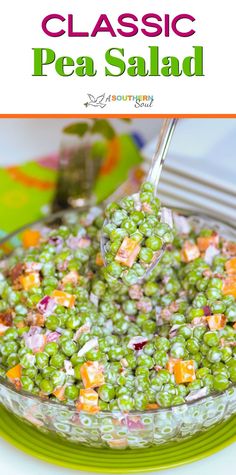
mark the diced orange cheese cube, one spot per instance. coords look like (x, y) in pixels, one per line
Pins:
(230, 266)
(128, 252)
(118, 443)
(88, 401)
(184, 371)
(204, 242)
(31, 238)
(92, 374)
(99, 260)
(151, 406)
(30, 281)
(216, 321)
(171, 364)
(14, 373)
(60, 393)
(234, 325)
(229, 286)
(63, 298)
(189, 252)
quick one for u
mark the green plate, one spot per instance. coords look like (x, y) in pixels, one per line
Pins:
(59, 452)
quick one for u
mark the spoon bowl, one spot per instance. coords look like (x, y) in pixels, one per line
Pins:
(155, 229)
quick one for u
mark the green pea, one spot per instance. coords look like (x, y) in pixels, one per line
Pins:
(46, 386)
(69, 347)
(211, 338)
(106, 392)
(57, 360)
(27, 383)
(220, 383)
(146, 255)
(71, 392)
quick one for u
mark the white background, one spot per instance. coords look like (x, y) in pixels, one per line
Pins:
(21, 31)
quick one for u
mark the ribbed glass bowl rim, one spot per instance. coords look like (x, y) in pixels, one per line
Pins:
(214, 395)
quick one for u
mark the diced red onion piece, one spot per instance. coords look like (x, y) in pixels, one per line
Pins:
(93, 343)
(46, 306)
(68, 368)
(166, 216)
(94, 299)
(210, 253)
(137, 343)
(207, 310)
(196, 394)
(182, 224)
(53, 336)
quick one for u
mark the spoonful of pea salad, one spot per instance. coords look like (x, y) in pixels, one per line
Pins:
(137, 229)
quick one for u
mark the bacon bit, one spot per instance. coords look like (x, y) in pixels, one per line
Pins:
(63, 298)
(59, 393)
(229, 248)
(118, 443)
(71, 278)
(83, 329)
(128, 252)
(207, 310)
(16, 271)
(144, 305)
(229, 286)
(135, 292)
(88, 401)
(216, 321)
(30, 280)
(152, 406)
(99, 260)
(189, 252)
(184, 371)
(6, 318)
(92, 374)
(170, 365)
(35, 319)
(230, 266)
(14, 373)
(204, 242)
(137, 343)
(30, 238)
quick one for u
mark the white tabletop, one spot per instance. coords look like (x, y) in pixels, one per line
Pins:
(14, 462)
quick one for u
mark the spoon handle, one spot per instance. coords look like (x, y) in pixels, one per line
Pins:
(166, 133)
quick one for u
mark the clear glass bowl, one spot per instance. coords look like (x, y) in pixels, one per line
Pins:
(116, 429)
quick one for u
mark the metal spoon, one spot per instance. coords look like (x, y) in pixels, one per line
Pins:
(153, 176)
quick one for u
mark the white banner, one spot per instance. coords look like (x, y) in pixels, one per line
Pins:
(103, 57)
